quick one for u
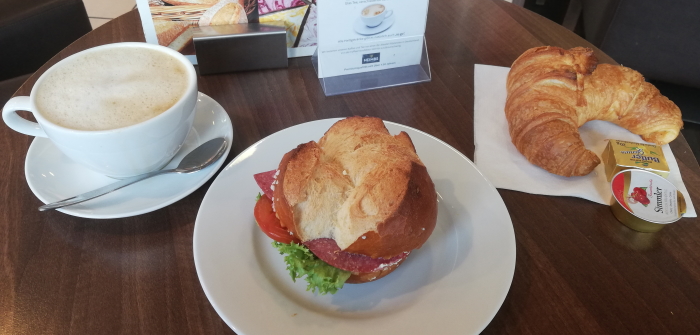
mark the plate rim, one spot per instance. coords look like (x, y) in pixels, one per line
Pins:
(511, 243)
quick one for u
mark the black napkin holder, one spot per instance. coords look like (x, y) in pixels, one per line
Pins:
(240, 47)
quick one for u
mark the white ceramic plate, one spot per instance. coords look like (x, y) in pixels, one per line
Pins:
(52, 176)
(362, 29)
(454, 284)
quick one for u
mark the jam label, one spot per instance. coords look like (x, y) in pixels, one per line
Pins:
(646, 195)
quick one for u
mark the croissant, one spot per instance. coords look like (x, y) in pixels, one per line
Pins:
(553, 91)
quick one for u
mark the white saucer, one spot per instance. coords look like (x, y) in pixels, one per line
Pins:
(52, 176)
(362, 29)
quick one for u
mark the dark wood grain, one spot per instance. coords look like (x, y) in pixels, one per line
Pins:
(579, 271)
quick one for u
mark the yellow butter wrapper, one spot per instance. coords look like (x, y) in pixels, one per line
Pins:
(622, 155)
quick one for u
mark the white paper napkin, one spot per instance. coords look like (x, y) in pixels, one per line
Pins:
(502, 164)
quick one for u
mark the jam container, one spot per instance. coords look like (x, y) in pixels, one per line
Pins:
(645, 201)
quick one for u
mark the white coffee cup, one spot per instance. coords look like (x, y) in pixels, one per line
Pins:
(144, 146)
(374, 15)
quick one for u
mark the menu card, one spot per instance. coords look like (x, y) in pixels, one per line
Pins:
(357, 36)
(168, 22)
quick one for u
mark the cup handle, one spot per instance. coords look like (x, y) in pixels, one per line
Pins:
(389, 13)
(16, 122)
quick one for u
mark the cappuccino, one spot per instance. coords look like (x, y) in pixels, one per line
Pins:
(373, 10)
(111, 88)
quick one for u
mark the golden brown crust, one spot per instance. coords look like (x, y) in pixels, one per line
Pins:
(622, 96)
(303, 160)
(552, 92)
(410, 225)
(368, 182)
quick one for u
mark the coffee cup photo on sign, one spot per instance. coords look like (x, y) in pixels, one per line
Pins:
(374, 19)
(374, 15)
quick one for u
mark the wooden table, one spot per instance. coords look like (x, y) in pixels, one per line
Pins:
(578, 269)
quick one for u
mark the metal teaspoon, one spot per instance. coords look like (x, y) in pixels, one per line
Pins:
(197, 159)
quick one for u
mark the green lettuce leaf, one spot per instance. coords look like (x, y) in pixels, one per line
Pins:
(319, 275)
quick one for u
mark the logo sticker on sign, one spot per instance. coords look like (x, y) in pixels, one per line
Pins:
(370, 58)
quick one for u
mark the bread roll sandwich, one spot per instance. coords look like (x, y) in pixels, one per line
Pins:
(350, 207)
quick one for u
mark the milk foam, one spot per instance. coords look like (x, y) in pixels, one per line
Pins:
(113, 88)
(373, 10)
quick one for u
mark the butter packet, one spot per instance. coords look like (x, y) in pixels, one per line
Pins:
(622, 155)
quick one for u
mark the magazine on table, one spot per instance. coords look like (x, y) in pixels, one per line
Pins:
(168, 22)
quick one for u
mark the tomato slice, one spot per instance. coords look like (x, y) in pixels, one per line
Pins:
(270, 224)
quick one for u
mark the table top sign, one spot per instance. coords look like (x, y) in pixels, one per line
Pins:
(356, 36)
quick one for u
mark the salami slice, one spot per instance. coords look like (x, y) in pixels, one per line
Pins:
(265, 180)
(328, 251)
